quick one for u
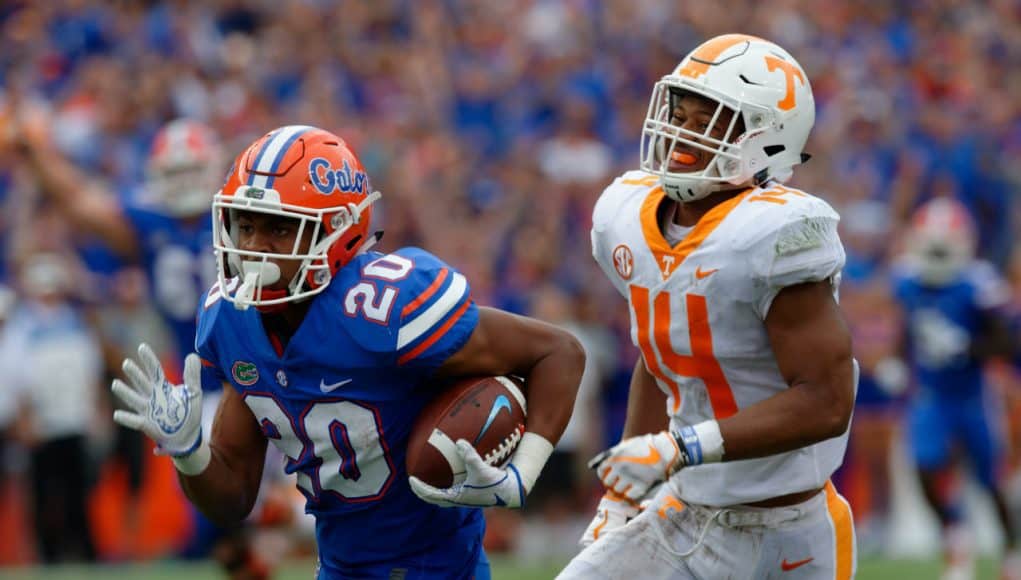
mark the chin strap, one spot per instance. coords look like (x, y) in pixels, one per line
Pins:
(369, 243)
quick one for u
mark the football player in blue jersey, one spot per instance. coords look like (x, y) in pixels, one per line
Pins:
(330, 351)
(953, 312)
(164, 226)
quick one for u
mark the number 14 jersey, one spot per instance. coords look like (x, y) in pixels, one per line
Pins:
(698, 309)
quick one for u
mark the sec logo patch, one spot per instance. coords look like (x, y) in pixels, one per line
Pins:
(623, 261)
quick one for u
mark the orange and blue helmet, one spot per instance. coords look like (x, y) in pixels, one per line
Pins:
(302, 173)
(184, 167)
(941, 240)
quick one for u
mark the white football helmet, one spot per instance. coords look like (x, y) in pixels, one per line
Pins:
(765, 88)
(185, 167)
(941, 241)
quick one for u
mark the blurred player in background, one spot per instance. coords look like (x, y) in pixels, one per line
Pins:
(955, 321)
(343, 349)
(165, 229)
(731, 279)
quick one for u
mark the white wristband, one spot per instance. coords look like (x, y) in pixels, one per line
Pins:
(530, 457)
(711, 440)
(195, 462)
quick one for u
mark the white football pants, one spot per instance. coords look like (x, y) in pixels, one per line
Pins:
(671, 540)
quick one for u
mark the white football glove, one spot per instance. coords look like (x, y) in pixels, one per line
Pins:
(632, 467)
(171, 415)
(483, 486)
(612, 512)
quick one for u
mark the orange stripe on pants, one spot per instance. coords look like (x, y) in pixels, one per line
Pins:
(843, 529)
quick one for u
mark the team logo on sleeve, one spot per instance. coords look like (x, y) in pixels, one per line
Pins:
(623, 261)
(245, 373)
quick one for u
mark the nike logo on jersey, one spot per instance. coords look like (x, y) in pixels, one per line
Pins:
(700, 273)
(788, 566)
(501, 402)
(332, 386)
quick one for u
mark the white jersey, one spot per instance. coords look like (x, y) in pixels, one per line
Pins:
(698, 311)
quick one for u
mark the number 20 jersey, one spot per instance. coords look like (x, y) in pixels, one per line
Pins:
(342, 398)
(698, 310)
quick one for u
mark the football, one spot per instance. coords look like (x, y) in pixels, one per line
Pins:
(489, 412)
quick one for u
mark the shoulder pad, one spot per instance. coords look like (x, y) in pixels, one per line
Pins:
(211, 304)
(414, 294)
(791, 218)
(789, 243)
(619, 192)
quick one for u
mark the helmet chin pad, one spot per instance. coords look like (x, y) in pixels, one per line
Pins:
(686, 190)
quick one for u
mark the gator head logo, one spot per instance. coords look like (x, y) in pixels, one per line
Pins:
(245, 373)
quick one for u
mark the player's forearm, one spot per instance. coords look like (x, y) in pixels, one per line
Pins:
(646, 405)
(55, 175)
(559, 372)
(81, 200)
(223, 493)
(802, 415)
(994, 339)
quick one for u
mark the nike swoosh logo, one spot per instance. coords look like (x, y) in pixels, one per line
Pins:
(700, 273)
(332, 386)
(501, 402)
(651, 459)
(788, 566)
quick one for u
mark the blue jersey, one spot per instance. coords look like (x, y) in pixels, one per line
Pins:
(942, 322)
(340, 400)
(179, 262)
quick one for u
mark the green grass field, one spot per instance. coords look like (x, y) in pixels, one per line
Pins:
(503, 569)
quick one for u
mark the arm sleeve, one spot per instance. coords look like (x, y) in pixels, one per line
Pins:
(805, 248)
(606, 209)
(604, 257)
(213, 376)
(991, 291)
(432, 317)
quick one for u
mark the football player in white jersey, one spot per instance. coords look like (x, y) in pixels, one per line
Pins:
(731, 280)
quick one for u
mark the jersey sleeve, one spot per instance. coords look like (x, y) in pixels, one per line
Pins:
(205, 345)
(606, 211)
(803, 247)
(431, 318)
(991, 292)
(139, 218)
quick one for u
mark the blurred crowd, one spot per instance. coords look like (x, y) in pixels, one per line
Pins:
(491, 128)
